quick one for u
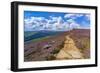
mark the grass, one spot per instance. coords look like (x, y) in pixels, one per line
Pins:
(38, 39)
(55, 51)
(84, 44)
(52, 57)
(29, 33)
(61, 45)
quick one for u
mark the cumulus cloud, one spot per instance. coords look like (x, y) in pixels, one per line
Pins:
(72, 16)
(88, 16)
(72, 24)
(68, 15)
(56, 23)
(41, 23)
(34, 23)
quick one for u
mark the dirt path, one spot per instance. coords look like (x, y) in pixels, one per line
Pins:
(69, 51)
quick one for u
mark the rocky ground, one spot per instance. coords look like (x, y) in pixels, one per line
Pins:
(69, 51)
(68, 45)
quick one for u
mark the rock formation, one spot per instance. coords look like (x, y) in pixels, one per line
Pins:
(69, 51)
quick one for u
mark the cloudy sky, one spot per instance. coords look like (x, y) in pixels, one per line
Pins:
(55, 21)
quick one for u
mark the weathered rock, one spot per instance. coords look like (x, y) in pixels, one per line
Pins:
(69, 51)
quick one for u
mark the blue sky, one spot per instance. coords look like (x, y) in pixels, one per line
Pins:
(55, 21)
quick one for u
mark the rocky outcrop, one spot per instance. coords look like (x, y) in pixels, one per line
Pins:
(69, 51)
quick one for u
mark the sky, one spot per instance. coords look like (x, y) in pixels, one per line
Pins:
(55, 21)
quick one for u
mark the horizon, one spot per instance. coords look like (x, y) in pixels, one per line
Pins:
(60, 30)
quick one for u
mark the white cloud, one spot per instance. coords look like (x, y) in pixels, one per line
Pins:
(70, 20)
(33, 23)
(87, 16)
(68, 15)
(72, 16)
(53, 23)
(74, 25)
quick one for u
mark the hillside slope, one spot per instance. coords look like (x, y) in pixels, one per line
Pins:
(48, 48)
